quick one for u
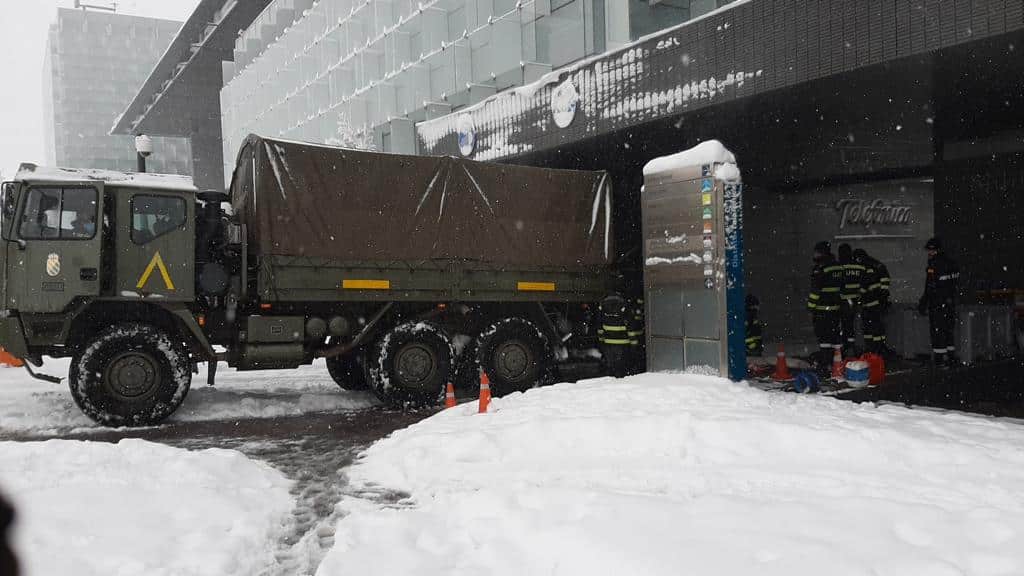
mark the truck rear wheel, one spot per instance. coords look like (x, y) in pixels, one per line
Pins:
(514, 354)
(130, 375)
(347, 371)
(412, 366)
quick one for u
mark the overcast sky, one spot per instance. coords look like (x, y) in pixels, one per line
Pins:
(22, 42)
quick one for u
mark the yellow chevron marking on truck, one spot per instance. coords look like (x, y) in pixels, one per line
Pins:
(154, 263)
(536, 286)
(366, 284)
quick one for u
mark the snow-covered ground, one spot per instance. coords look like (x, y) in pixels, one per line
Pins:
(92, 508)
(27, 404)
(687, 474)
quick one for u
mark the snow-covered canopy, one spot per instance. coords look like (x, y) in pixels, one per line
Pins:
(149, 180)
(707, 152)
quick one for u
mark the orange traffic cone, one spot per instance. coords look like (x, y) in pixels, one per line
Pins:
(837, 364)
(8, 360)
(485, 392)
(449, 396)
(781, 369)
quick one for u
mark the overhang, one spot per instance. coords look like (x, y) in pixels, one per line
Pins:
(187, 80)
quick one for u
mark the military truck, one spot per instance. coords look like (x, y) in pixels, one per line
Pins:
(403, 272)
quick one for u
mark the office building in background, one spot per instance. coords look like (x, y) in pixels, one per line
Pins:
(95, 62)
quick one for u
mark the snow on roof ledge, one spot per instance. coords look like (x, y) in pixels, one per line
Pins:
(133, 179)
(707, 152)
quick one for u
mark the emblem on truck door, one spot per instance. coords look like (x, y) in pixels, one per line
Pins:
(53, 264)
(157, 263)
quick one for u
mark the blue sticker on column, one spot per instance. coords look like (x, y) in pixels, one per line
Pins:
(732, 206)
(706, 185)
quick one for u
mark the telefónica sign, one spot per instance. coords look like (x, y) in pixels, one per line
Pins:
(867, 212)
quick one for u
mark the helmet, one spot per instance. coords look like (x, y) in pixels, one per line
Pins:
(933, 244)
(612, 300)
(824, 247)
(845, 252)
(859, 254)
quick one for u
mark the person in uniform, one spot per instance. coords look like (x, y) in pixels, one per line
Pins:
(874, 301)
(941, 289)
(637, 344)
(853, 274)
(824, 301)
(752, 323)
(613, 335)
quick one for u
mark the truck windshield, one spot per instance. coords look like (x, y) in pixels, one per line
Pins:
(59, 213)
(8, 204)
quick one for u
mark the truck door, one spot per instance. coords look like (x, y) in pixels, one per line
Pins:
(155, 245)
(56, 254)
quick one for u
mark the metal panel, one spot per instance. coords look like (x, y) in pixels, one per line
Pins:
(274, 329)
(693, 270)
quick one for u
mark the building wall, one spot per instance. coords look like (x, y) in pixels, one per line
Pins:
(342, 70)
(749, 49)
(95, 62)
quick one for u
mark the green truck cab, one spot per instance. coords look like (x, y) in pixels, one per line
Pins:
(404, 272)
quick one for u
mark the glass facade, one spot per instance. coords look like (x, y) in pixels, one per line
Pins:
(649, 16)
(341, 70)
(95, 62)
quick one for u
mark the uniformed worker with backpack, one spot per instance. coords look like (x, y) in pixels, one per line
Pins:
(752, 323)
(941, 289)
(874, 301)
(613, 335)
(825, 301)
(853, 274)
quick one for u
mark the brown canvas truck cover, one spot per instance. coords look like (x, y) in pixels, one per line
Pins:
(322, 202)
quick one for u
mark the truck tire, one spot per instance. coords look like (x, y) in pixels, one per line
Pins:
(130, 375)
(515, 355)
(412, 365)
(347, 371)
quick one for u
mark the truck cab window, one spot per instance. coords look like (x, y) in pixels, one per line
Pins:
(154, 216)
(59, 213)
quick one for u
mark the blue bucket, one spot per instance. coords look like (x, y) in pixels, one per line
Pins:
(805, 382)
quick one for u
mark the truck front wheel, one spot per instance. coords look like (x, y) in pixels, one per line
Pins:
(130, 375)
(347, 371)
(412, 366)
(515, 355)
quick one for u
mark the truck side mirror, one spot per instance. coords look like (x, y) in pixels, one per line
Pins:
(8, 207)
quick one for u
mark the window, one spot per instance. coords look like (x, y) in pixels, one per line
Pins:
(59, 213)
(155, 216)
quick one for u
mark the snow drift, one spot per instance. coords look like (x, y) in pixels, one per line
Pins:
(671, 474)
(92, 508)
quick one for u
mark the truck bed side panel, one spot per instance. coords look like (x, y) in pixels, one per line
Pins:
(365, 207)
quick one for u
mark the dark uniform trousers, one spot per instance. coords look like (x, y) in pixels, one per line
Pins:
(825, 301)
(939, 300)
